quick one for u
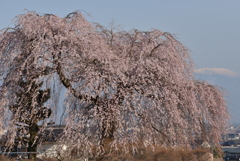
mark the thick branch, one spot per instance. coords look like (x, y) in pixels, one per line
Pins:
(66, 82)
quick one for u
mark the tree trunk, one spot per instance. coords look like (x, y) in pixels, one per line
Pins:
(32, 144)
(107, 129)
(32, 156)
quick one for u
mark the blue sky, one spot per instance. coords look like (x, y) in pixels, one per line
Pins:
(209, 28)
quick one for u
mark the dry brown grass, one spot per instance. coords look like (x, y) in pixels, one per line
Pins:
(162, 154)
(49, 159)
(5, 158)
(146, 154)
(141, 153)
(158, 154)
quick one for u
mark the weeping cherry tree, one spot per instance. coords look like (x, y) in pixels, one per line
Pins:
(122, 88)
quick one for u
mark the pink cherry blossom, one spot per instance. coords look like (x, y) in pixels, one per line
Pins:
(122, 86)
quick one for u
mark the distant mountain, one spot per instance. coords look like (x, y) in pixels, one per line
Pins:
(227, 80)
(217, 71)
